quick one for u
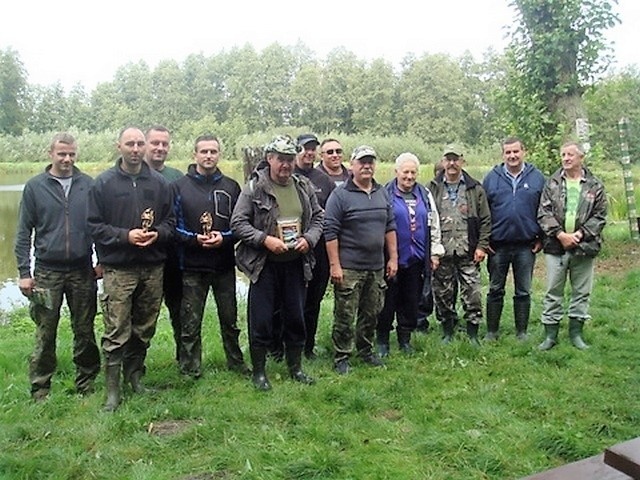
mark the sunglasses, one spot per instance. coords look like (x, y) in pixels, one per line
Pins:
(337, 151)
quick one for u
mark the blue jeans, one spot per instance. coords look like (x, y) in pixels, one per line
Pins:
(522, 260)
(579, 269)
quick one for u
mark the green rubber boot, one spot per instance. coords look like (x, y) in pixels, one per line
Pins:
(551, 330)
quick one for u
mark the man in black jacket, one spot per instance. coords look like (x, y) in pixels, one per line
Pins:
(54, 208)
(131, 220)
(203, 200)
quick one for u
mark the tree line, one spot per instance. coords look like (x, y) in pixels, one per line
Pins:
(549, 75)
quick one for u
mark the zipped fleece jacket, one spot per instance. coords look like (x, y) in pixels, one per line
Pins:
(115, 205)
(194, 194)
(62, 239)
(478, 216)
(591, 216)
(514, 213)
(256, 214)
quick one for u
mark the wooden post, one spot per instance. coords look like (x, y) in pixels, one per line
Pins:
(251, 158)
(623, 130)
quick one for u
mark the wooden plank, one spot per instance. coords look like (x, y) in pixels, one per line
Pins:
(592, 468)
(625, 457)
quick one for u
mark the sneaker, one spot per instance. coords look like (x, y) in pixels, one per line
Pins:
(373, 360)
(342, 366)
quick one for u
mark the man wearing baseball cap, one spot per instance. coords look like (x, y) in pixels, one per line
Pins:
(278, 221)
(465, 221)
(359, 228)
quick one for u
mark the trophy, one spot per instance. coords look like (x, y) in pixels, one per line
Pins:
(147, 218)
(206, 221)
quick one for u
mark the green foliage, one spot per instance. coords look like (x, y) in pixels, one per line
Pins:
(13, 92)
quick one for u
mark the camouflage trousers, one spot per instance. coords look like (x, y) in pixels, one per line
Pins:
(195, 290)
(78, 287)
(130, 303)
(359, 297)
(467, 274)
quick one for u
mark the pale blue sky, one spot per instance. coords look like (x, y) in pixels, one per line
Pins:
(74, 41)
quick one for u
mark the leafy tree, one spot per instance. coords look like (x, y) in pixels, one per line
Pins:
(557, 49)
(48, 108)
(374, 99)
(13, 93)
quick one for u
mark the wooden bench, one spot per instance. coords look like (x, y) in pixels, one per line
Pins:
(592, 468)
(625, 457)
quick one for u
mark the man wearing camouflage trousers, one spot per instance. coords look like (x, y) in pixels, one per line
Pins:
(54, 209)
(465, 221)
(131, 220)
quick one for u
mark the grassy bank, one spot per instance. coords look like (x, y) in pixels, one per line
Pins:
(503, 411)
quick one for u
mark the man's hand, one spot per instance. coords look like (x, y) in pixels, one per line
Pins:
(140, 238)
(26, 286)
(302, 246)
(392, 268)
(336, 274)
(275, 245)
(569, 241)
(214, 240)
(435, 262)
(479, 255)
(537, 246)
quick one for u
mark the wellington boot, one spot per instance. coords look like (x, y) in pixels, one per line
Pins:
(447, 330)
(575, 333)
(494, 312)
(294, 363)
(521, 311)
(382, 344)
(136, 383)
(112, 374)
(551, 340)
(472, 333)
(404, 341)
(258, 361)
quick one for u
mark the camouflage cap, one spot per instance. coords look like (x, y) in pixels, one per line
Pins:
(282, 144)
(363, 151)
(452, 149)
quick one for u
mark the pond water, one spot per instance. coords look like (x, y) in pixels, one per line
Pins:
(10, 194)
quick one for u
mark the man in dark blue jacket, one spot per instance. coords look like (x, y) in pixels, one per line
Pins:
(131, 220)
(54, 209)
(513, 190)
(204, 199)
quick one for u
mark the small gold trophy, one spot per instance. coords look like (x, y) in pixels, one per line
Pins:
(206, 221)
(147, 218)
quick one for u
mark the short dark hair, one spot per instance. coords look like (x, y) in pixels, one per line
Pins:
(207, 137)
(156, 128)
(129, 127)
(510, 140)
(327, 140)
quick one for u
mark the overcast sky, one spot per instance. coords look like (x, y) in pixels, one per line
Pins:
(85, 42)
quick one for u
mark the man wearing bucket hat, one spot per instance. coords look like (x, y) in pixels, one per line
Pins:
(465, 222)
(359, 230)
(278, 221)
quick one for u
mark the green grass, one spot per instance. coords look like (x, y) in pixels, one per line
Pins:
(503, 411)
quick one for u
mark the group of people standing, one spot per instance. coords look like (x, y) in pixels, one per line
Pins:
(392, 252)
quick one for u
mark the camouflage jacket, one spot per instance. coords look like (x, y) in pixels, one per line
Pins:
(590, 217)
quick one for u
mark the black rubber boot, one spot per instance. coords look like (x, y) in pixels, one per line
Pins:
(294, 363)
(404, 341)
(258, 361)
(494, 312)
(112, 374)
(382, 343)
(575, 333)
(472, 333)
(551, 340)
(521, 311)
(447, 330)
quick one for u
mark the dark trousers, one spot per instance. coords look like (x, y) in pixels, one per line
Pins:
(402, 298)
(316, 289)
(172, 291)
(280, 285)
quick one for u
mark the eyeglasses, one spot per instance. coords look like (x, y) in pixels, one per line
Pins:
(337, 151)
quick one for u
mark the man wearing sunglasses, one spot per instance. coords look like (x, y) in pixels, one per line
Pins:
(331, 164)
